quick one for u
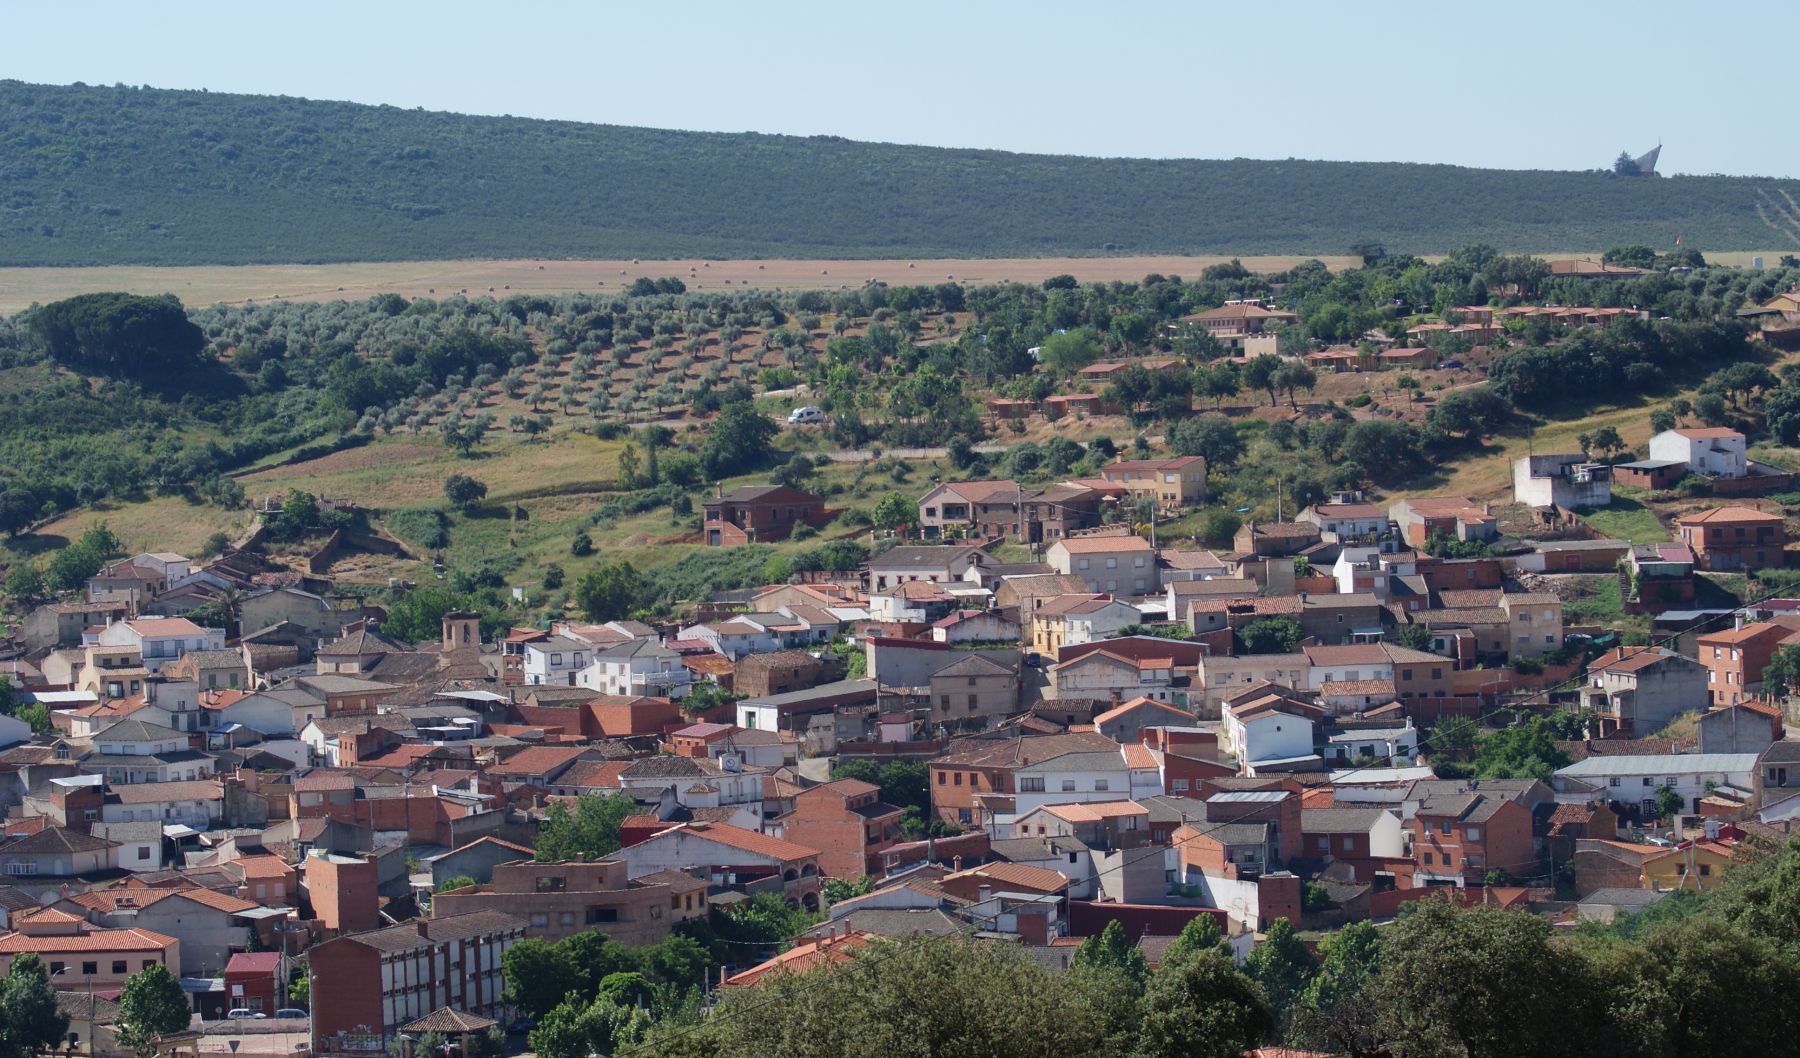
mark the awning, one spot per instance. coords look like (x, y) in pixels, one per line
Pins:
(178, 831)
(260, 913)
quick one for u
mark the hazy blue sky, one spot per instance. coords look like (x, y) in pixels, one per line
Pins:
(1520, 85)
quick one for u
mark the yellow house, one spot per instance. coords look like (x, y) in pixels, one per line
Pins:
(1699, 865)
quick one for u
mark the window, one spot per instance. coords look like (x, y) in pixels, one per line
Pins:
(944, 776)
(1614, 781)
(1179, 786)
(118, 966)
(1428, 859)
(551, 883)
(147, 963)
(565, 918)
(1068, 785)
(1705, 870)
(1670, 781)
(1444, 828)
(143, 852)
(596, 915)
(958, 778)
(1648, 781)
(90, 968)
(1101, 784)
(56, 968)
(1031, 784)
(1349, 844)
(539, 919)
(556, 659)
(1472, 834)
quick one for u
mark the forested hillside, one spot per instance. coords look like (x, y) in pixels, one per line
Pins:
(93, 175)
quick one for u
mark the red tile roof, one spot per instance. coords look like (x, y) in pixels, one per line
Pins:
(744, 840)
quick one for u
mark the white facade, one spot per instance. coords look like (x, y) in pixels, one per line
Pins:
(1319, 675)
(1104, 623)
(637, 669)
(735, 638)
(1636, 779)
(1719, 454)
(1398, 743)
(160, 647)
(555, 661)
(1267, 736)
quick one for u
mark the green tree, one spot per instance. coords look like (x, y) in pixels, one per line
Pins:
(1470, 412)
(538, 975)
(1661, 420)
(122, 334)
(18, 509)
(152, 1005)
(574, 1029)
(30, 1022)
(737, 442)
(1453, 736)
(1218, 527)
(1110, 950)
(894, 511)
(1334, 1012)
(581, 545)
(1527, 751)
(1293, 375)
(1201, 934)
(1261, 373)
(299, 990)
(25, 583)
(1669, 802)
(1068, 352)
(1202, 1007)
(1270, 635)
(463, 435)
(927, 996)
(1211, 436)
(450, 885)
(1782, 673)
(463, 491)
(611, 592)
(1480, 982)
(1413, 637)
(591, 830)
(1280, 966)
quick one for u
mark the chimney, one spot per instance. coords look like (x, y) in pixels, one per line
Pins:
(955, 864)
(420, 924)
(1738, 621)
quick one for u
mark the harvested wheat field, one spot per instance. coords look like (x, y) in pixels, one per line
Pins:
(205, 285)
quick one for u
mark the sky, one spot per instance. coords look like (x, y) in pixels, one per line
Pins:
(1524, 85)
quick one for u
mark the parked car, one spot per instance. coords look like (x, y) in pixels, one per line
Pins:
(244, 1014)
(1451, 365)
(290, 1012)
(807, 414)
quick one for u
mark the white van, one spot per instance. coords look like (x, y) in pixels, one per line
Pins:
(808, 414)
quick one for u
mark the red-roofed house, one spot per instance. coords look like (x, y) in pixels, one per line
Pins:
(161, 639)
(79, 956)
(1126, 723)
(253, 981)
(1736, 657)
(826, 951)
(847, 821)
(734, 857)
(1726, 539)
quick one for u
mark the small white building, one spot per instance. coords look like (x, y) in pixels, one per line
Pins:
(555, 660)
(1399, 743)
(638, 668)
(161, 639)
(1267, 731)
(1714, 451)
(1635, 779)
(1572, 481)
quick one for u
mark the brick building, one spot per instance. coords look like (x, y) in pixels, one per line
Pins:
(343, 891)
(760, 514)
(1733, 538)
(1736, 657)
(560, 899)
(366, 985)
(776, 672)
(847, 821)
(1460, 836)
